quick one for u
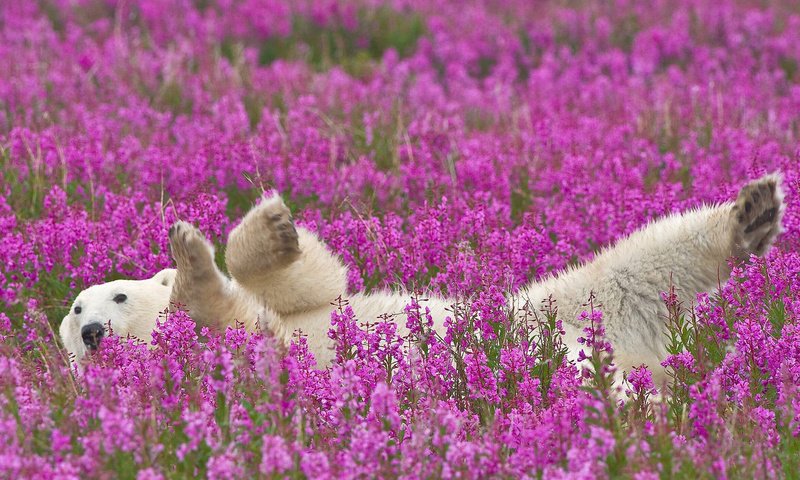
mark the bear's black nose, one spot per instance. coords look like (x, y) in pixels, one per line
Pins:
(92, 334)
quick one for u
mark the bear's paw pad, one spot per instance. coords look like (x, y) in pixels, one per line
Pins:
(188, 245)
(758, 211)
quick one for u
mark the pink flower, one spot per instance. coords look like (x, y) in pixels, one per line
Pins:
(641, 380)
(276, 458)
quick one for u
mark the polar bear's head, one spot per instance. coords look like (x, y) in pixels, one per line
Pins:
(129, 307)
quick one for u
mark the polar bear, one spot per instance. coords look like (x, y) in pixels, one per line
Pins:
(284, 279)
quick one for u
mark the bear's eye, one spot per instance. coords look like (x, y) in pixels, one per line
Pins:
(120, 298)
(78, 310)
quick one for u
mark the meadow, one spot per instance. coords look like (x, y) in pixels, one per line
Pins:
(455, 147)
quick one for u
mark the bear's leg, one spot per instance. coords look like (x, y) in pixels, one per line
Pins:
(692, 256)
(284, 267)
(688, 252)
(207, 294)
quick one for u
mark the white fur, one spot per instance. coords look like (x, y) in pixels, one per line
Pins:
(285, 280)
(687, 249)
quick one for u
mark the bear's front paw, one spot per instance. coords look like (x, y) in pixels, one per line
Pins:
(275, 218)
(192, 252)
(757, 215)
(265, 240)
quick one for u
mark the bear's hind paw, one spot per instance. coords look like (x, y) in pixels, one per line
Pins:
(757, 214)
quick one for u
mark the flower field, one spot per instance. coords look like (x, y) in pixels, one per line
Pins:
(460, 148)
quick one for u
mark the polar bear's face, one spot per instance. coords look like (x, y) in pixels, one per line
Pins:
(129, 307)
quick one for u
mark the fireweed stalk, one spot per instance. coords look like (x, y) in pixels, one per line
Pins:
(458, 148)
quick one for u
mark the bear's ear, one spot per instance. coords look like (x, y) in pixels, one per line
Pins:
(165, 277)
